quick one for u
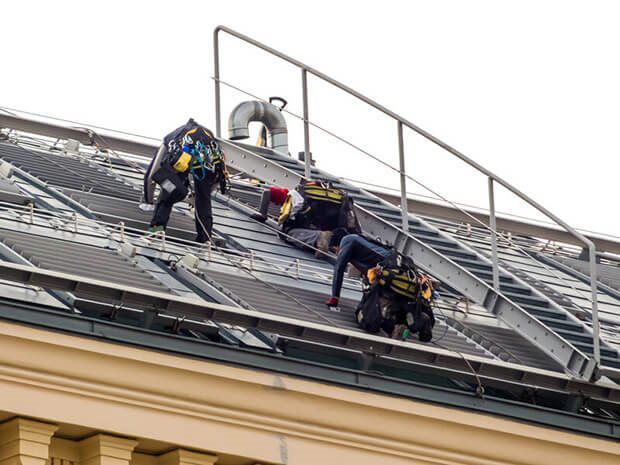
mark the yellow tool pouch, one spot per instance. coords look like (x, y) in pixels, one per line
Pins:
(330, 195)
(285, 210)
(182, 163)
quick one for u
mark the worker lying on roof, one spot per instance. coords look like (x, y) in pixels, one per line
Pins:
(189, 149)
(397, 297)
(310, 213)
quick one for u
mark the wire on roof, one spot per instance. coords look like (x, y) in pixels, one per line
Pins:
(237, 265)
(275, 288)
(432, 191)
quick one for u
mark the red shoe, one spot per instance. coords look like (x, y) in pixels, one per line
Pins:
(332, 302)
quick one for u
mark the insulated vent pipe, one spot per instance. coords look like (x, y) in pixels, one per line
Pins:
(264, 112)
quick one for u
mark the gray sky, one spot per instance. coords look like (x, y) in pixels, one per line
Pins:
(529, 89)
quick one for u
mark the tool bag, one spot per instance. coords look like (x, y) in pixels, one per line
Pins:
(420, 319)
(169, 180)
(368, 312)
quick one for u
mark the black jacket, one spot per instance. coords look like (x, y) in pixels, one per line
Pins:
(168, 153)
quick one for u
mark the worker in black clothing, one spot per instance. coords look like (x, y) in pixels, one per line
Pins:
(310, 213)
(398, 316)
(189, 149)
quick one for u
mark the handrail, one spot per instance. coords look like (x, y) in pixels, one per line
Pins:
(401, 121)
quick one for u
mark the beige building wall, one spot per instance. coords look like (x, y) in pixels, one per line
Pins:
(67, 400)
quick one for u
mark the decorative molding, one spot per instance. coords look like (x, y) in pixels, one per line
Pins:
(186, 457)
(25, 442)
(201, 405)
(103, 449)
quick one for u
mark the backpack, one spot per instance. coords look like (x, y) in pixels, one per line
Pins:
(325, 208)
(396, 275)
(420, 319)
(396, 278)
(193, 149)
(368, 311)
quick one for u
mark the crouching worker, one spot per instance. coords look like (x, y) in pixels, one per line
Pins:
(397, 298)
(188, 155)
(310, 213)
(354, 249)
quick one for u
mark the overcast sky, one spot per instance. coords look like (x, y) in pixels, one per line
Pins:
(531, 90)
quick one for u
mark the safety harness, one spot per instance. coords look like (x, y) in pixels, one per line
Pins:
(324, 207)
(396, 282)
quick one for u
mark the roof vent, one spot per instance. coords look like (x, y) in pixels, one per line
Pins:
(268, 114)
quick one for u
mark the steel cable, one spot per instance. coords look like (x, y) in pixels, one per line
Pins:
(436, 194)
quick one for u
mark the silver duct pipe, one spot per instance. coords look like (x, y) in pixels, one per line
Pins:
(265, 113)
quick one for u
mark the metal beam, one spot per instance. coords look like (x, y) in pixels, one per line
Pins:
(83, 135)
(437, 264)
(425, 256)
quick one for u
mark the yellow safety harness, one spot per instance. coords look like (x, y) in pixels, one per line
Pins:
(312, 190)
(403, 283)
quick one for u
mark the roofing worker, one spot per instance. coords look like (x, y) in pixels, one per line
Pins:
(397, 299)
(354, 249)
(310, 213)
(189, 149)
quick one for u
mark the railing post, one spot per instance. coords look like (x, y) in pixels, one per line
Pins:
(593, 285)
(307, 156)
(216, 75)
(404, 211)
(493, 226)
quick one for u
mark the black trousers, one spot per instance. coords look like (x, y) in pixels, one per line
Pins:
(203, 209)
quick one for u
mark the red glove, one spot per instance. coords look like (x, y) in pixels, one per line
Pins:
(332, 302)
(278, 195)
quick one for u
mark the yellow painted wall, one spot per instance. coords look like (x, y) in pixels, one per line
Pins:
(243, 416)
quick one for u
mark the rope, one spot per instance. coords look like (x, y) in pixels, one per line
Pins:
(275, 288)
(445, 332)
(437, 195)
(232, 262)
(288, 236)
(480, 389)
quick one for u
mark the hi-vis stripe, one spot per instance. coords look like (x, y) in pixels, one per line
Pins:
(326, 195)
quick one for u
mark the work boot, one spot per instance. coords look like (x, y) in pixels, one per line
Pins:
(322, 243)
(155, 229)
(258, 217)
(400, 332)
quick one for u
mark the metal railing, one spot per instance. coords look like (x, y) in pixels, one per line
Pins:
(492, 178)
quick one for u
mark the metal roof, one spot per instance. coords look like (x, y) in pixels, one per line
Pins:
(283, 284)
